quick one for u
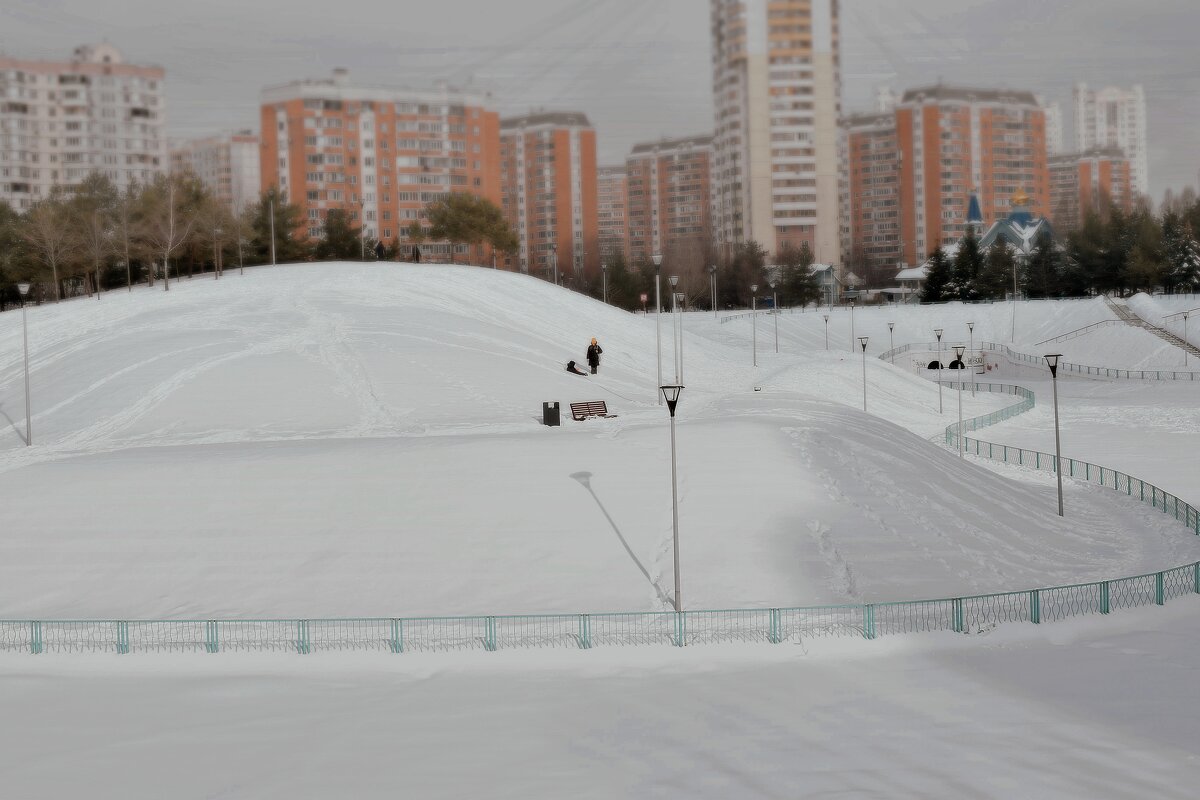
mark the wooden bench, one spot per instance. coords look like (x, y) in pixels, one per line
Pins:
(596, 408)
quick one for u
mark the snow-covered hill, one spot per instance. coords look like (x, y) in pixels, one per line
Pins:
(346, 439)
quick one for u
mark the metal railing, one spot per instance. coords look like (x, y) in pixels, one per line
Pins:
(966, 614)
(1085, 330)
(1039, 362)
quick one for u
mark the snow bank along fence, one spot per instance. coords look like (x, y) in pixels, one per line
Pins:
(1039, 362)
(968, 614)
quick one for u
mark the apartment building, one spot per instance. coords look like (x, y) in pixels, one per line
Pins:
(669, 197)
(776, 90)
(380, 153)
(549, 178)
(1114, 117)
(612, 196)
(227, 164)
(1097, 180)
(872, 217)
(62, 120)
(955, 140)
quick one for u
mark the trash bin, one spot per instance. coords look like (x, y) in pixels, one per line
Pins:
(550, 415)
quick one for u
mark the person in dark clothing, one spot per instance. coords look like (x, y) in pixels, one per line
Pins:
(574, 370)
(380, 251)
(416, 256)
(593, 356)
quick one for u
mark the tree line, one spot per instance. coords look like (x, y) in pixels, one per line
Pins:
(1110, 253)
(96, 237)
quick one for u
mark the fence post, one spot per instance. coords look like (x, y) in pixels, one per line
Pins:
(212, 642)
(680, 628)
(774, 636)
(585, 632)
(35, 632)
(869, 621)
(122, 637)
(957, 605)
(302, 646)
(396, 643)
(1104, 605)
(1196, 577)
(1035, 607)
(489, 634)
(1158, 589)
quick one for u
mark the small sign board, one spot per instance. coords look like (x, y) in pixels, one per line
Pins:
(645, 297)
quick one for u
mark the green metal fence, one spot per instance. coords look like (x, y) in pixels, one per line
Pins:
(968, 614)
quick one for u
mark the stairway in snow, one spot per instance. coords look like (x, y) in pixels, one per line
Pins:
(1126, 315)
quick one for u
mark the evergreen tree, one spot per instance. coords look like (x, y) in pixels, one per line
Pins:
(1181, 255)
(340, 240)
(1040, 273)
(996, 277)
(968, 262)
(289, 218)
(798, 286)
(462, 218)
(938, 276)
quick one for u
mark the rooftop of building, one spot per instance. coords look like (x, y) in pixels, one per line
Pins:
(1113, 153)
(872, 120)
(967, 94)
(554, 119)
(684, 143)
(339, 87)
(91, 59)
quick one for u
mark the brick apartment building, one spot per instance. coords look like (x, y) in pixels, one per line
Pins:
(1093, 181)
(669, 197)
(612, 197)
(227, 164)
(548, 175)
(379, 153)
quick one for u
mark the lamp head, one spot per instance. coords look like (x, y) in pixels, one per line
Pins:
(971, 327)
(1052, 362)
(657, 259)
(938, 332)
(23, 288)
(891, 326)
(671, 395)
(673, 280)
(712, 269)
(958, 351)
(826, 316)
(863, 341)
(754, 288)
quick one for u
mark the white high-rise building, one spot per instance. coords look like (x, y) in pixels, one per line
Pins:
(228, 164)
(1054, 127)
(61, 120)
(1114, 117)
(776, 98)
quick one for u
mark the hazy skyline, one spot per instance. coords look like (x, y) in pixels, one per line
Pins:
(639, 70)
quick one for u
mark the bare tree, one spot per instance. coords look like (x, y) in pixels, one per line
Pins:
(45, 230)
(166, 220)
(91, 210)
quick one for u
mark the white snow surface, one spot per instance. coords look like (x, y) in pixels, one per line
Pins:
(350, 440)
(329, 439)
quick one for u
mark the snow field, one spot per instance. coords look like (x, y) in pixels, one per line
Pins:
(350, 440)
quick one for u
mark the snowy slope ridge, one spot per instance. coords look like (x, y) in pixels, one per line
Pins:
(346, 440)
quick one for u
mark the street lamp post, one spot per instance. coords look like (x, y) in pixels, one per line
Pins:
(362, 231)
(1052, 362)
(775, 312)
(862, 340)
(958, 351)
(852, 337)
(826, 330)
(554, 259)
(712, 277)
(23, 288)
(754, 319)
(241, 263)
(891, 336)
(657, 259)
(1185, 339)
(676, 333)
(216, 254)
(970, 350)
(271, 212)
(671, 394)
(938, 333)
(604, 279)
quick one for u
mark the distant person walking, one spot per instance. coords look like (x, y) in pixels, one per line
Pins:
(593, 356)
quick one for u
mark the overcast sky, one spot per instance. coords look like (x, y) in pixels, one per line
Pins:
(638, 68)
